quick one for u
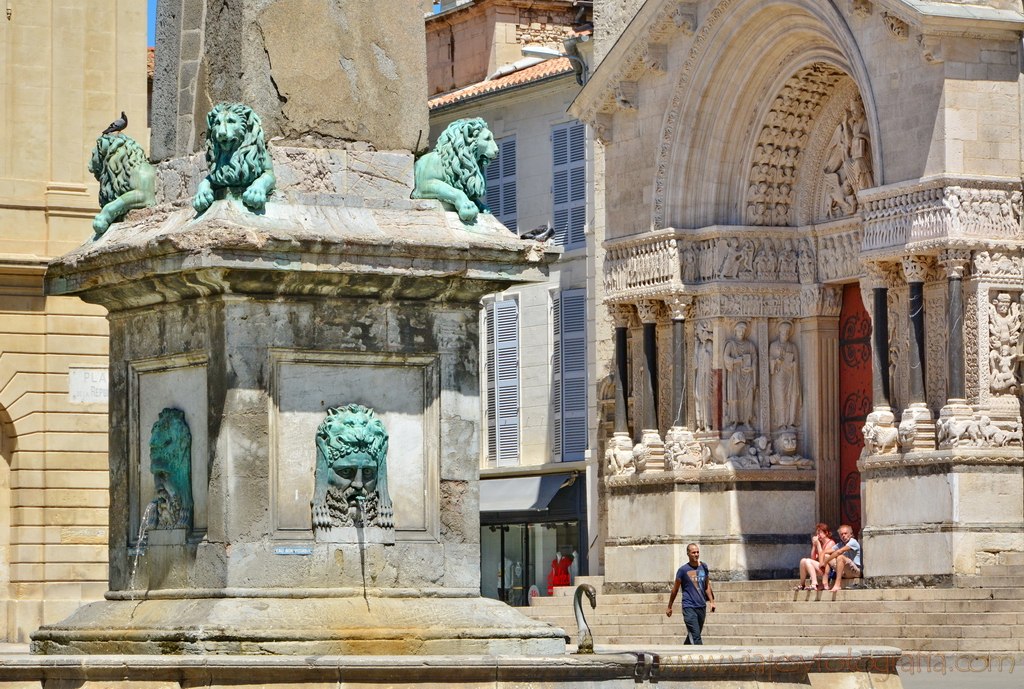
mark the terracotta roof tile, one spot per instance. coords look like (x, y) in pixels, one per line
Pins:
(541, 70)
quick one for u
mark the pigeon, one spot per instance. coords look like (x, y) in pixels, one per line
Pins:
(541, 234)
(117, 125)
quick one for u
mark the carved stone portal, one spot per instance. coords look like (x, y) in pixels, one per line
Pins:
(351, 471)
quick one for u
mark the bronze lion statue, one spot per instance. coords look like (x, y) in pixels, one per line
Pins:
(127, 180)
(454, 171)
(238, 158)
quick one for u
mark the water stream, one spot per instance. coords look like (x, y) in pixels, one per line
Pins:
(140, 546)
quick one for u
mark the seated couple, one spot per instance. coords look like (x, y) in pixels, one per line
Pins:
(827, 555)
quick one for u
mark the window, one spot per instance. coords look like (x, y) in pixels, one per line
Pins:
(501, 184)
(569, 369)
(569, 183)
(502, 325)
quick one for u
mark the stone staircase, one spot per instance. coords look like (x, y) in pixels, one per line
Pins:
(981, 613)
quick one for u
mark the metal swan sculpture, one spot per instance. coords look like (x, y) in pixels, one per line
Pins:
(586, 644)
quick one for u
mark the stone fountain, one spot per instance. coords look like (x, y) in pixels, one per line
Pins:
(294, 393)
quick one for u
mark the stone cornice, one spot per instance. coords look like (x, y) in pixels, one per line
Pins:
(632, 52)
(948, 19)
(947, 459)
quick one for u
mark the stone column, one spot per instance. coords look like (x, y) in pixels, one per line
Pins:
(681, 447)
(650, 438)
(620, 446)
(955, 262)
(877, 302)
(917, 429)
(621, 314)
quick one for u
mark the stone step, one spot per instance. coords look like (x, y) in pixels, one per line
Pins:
(1007, 619)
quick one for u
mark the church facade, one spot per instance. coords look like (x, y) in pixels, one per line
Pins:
(812, 283)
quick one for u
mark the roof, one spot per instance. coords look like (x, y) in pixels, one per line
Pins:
(527, 75)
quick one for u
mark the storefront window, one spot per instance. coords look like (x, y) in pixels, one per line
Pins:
(520, 560)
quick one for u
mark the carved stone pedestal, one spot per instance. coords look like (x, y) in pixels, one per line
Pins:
(917, 429)
(255, 327)
(653, 516)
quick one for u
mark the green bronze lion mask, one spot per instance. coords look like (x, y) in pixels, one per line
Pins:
(454, 171)
(170, 461)
(351, 470)
(236, 152)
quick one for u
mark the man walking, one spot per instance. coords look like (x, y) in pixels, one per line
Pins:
(697, 595)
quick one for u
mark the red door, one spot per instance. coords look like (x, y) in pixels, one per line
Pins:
(854, 399)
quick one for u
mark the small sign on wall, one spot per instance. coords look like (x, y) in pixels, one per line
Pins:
(87, 386)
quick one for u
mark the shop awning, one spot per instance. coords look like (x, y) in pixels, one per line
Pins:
(520, 494)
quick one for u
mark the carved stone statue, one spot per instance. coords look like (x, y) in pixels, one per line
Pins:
(238, 158)
(682, 449)
(740, 362)
(170, 460)
(127, 180)
(454, 171)
(848, 162)
(784, 367)
(703, 386)
(351, 486)
(1004, 330)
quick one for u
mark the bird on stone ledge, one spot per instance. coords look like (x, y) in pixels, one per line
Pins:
(541, 234)
(117, 125)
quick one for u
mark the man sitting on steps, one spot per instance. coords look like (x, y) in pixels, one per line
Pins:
(844, 558)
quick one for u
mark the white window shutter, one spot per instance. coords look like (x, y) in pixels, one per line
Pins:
(569, 183)
(556, 376)
(574, 374)
(506, 349)
(492, 408)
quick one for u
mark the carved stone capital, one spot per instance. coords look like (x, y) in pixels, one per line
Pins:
(916, 268)
(955, 262)
(685, 18)
(656, 57)
(876, 274)
(621, 314)
(627, 94)
(897, 27)
(603, 130)
(861, 8)
(679, 306)
(648, 310)
(931, 48)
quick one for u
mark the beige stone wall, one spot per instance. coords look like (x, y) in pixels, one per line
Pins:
(67, 69)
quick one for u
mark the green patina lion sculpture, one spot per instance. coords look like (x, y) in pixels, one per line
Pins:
(351, 487)
(238, 158)
(127, 180)
(454, 171)
(170, 460)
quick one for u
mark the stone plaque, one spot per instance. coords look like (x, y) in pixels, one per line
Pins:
(87, 385)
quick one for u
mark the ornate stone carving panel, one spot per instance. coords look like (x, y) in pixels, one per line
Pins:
(839, 255)
(941, 208)
(935, 329)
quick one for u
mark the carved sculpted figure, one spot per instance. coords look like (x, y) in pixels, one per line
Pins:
(784, 367)
(351, 470)
(848, 162)
(740, 362)
(127, 180)
(170, 461)
(238, 158)
(703, 388)
(454, 171)
(1004, 330)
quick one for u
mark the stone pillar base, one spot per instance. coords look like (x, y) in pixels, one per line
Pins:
(652, 518)
(932, 515)
(917, 429)
(682, 449)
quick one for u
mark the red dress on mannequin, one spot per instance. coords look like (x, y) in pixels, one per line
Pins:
(559, 574)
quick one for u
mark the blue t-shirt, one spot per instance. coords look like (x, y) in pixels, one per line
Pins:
(694, 583)
(854, 550)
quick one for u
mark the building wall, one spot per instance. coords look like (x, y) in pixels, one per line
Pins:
(67, 68)
(529, 114)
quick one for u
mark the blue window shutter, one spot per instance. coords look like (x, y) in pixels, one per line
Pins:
(506, 350)
(573, 336)
(569, 184)
(501, 184)
(490, 374)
